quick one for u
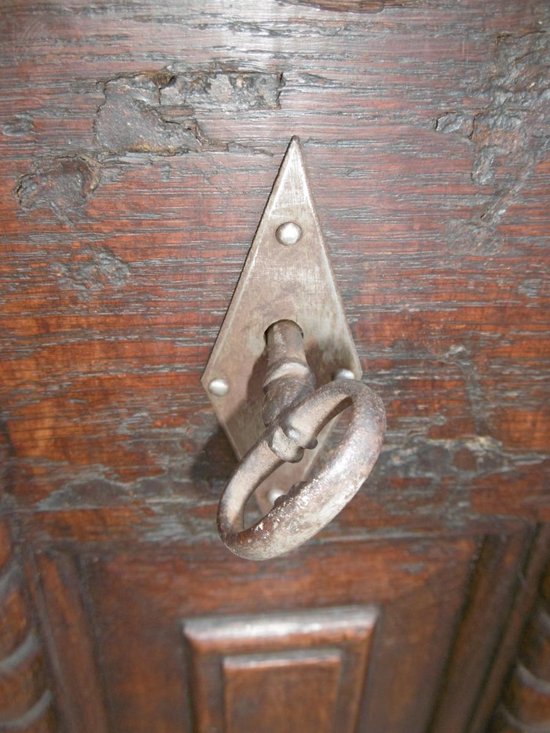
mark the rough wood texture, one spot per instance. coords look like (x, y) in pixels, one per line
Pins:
(139, 141)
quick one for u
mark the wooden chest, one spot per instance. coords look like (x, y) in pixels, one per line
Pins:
(139, 142)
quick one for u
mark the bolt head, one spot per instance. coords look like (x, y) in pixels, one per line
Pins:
(289, 233)
(218, 387)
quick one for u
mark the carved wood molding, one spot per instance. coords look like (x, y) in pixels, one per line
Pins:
(26, 702)
(302, 670)
(525, 707)
(70, 644)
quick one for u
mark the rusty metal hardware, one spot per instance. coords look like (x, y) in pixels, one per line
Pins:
(294, 414)
(284, 333)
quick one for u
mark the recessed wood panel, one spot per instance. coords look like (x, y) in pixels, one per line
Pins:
(185, 629)
(302, 670)
(293, 691)
(169, 624)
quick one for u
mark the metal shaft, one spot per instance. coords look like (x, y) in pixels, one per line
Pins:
(288, 377)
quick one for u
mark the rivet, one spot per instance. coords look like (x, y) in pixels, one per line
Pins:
(289, 233)
(344, 374)
(218, 387)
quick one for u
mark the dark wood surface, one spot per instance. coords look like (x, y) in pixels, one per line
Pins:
(139, 141)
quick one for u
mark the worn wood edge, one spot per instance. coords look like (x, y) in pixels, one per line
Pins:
(525, 703)
(195, 526)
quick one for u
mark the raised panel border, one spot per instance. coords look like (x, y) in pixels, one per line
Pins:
(213, 642)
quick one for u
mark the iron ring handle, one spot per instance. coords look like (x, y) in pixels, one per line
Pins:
(309, 506)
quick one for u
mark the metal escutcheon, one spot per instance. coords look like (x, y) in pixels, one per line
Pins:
(284, 333)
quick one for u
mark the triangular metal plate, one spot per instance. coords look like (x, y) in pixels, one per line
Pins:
(279, 281)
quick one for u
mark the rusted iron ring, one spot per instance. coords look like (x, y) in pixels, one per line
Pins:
(309, 506)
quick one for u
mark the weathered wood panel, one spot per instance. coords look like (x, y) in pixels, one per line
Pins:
(139, 142)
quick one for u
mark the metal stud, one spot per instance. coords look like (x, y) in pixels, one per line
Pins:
(218, 387)
(344, 374)
(289, 233)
